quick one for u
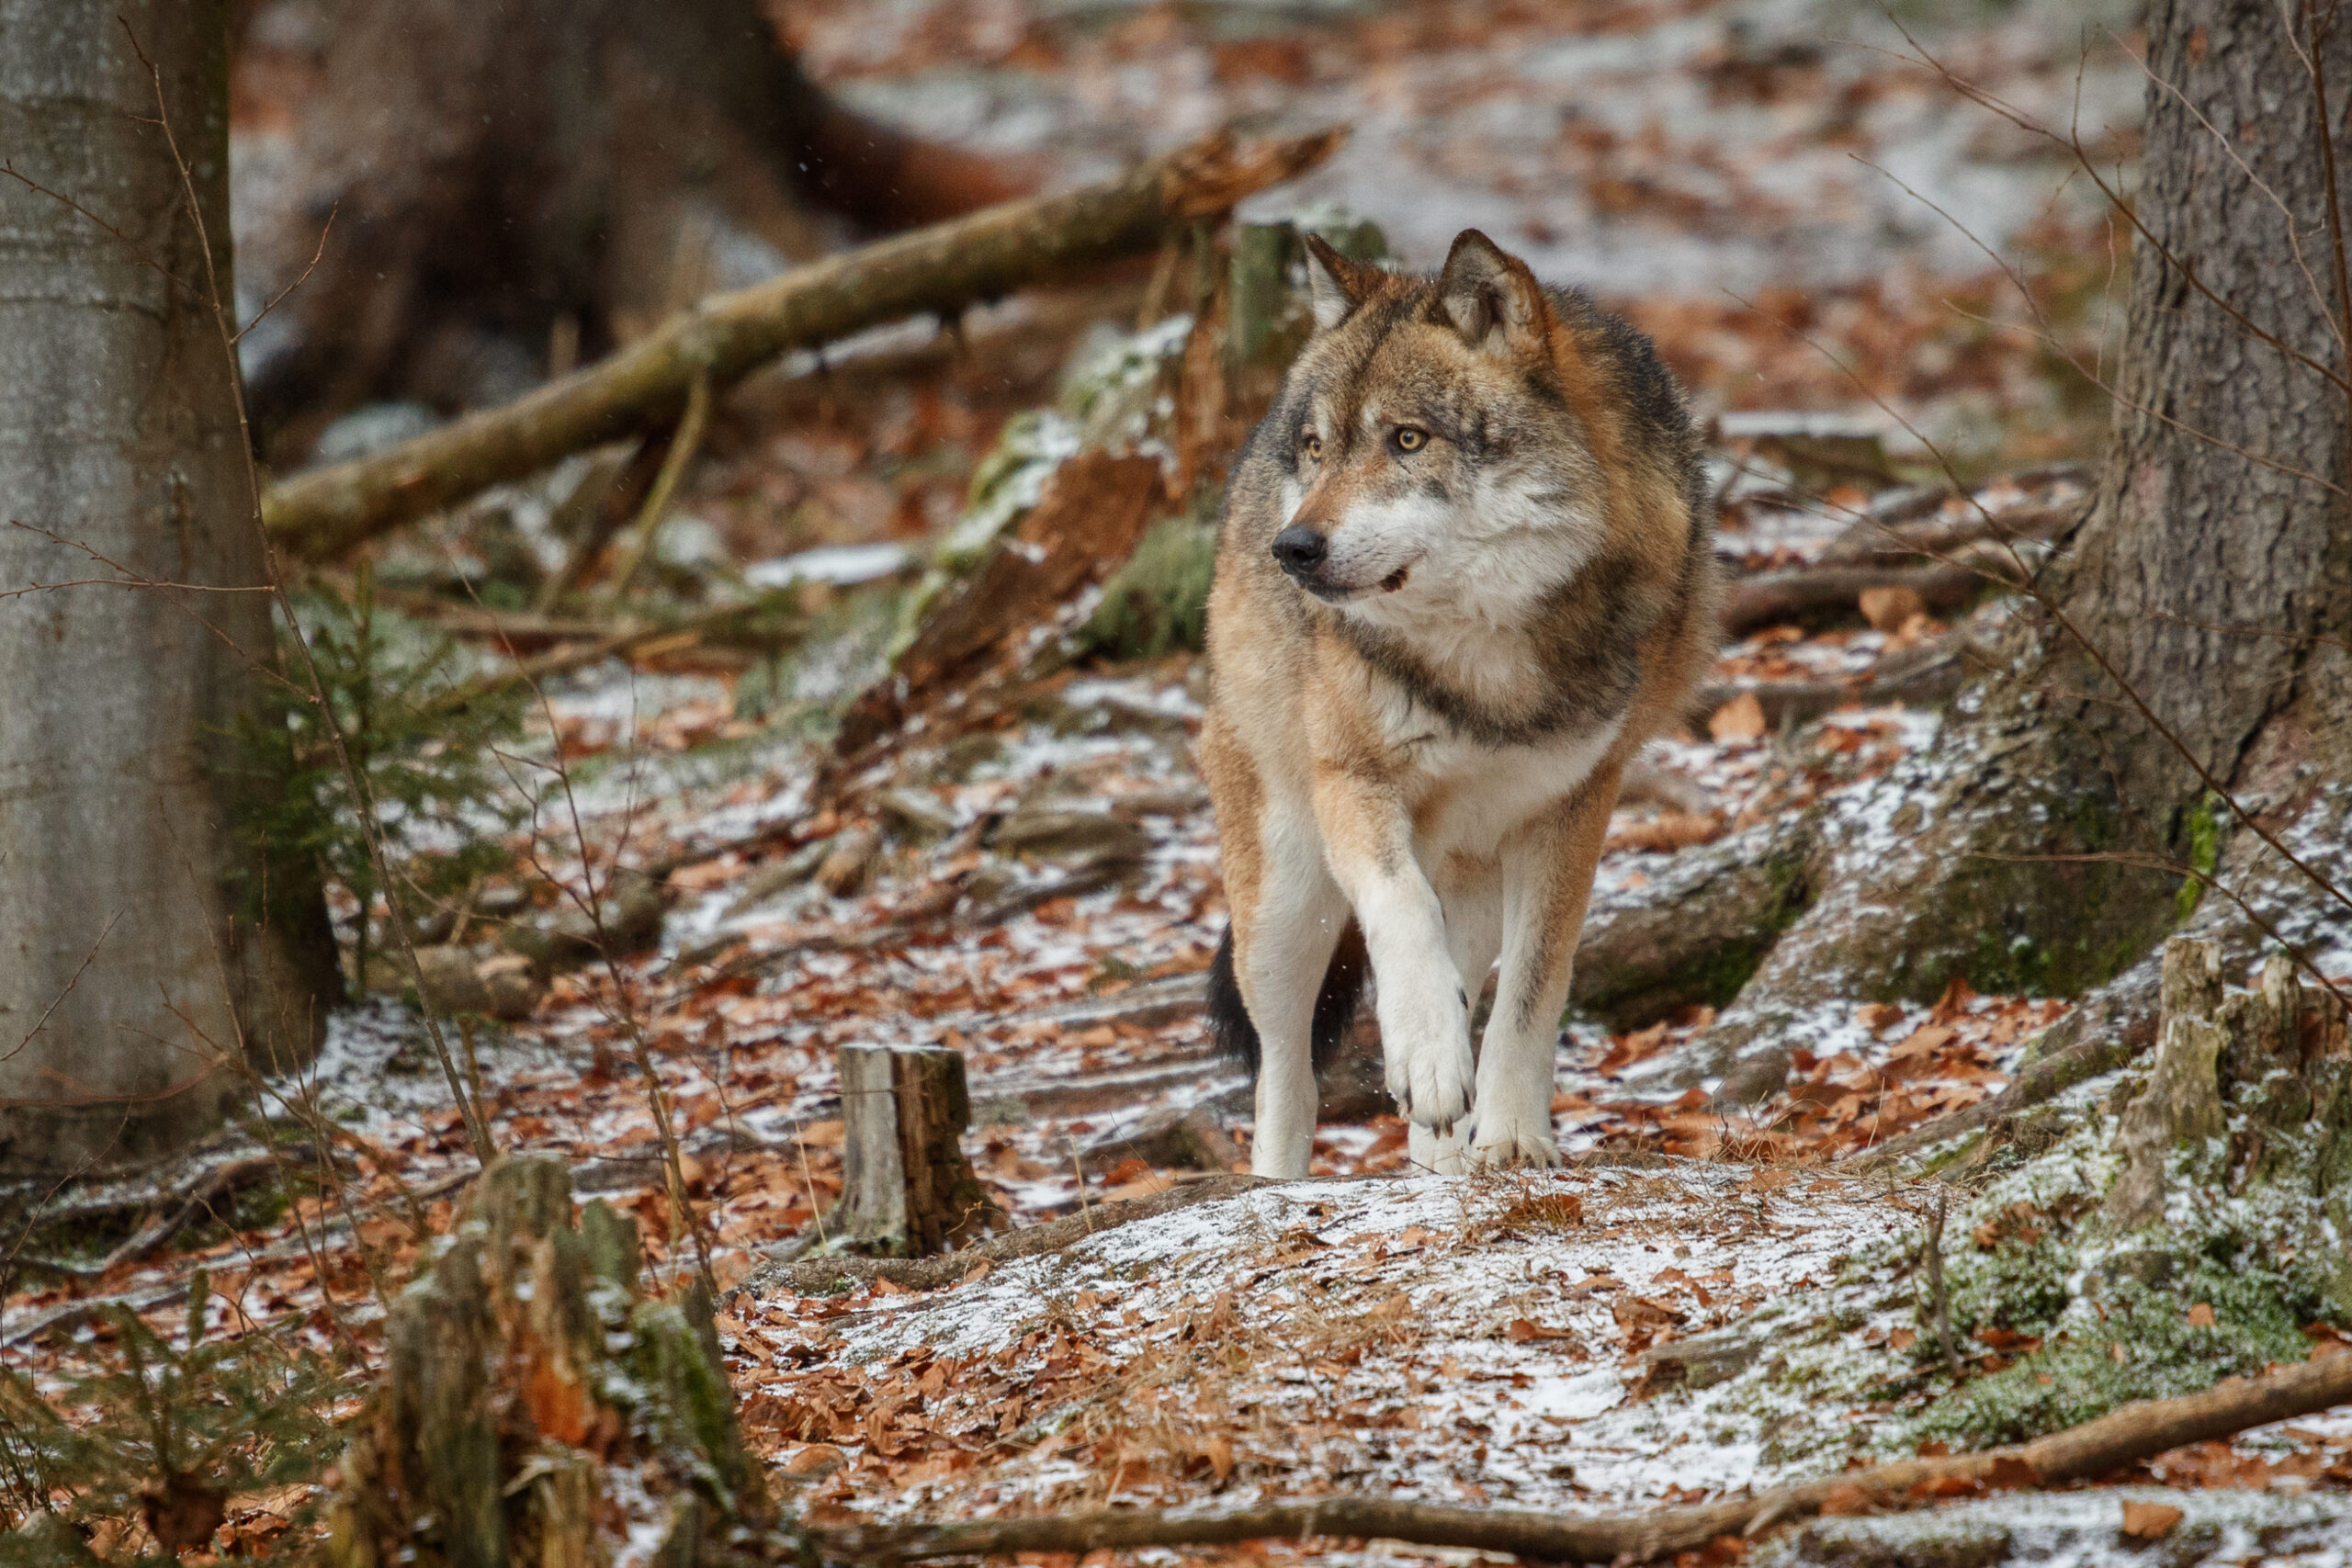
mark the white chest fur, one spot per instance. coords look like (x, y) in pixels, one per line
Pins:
(1468, 798)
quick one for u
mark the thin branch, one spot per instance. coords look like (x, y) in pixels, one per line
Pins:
(684, 444)
(2207, 879)
(2049, 336)
(58, 1001)
(2073, 141)
(280, 298)
(1942, 1302)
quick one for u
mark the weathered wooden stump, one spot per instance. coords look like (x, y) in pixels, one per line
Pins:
(2247, 1086)
(538, 1409)
(907, 1190)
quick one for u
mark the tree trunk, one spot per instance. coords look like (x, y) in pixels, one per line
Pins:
(145, 947)
(496, 169)
(2213, 578)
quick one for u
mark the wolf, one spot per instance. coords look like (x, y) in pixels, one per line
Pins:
(1465, 569)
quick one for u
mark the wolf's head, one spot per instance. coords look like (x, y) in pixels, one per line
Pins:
(1433, 461)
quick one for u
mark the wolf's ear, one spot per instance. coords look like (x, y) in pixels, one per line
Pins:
(1336, 285)
(1489, 298)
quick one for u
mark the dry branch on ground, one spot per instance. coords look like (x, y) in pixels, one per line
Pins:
(939, 269)
(2098, 1448)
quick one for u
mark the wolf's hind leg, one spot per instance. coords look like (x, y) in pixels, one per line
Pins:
(1548, 877)
(1284, 929)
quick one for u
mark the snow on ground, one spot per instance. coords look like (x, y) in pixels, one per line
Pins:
(1454, 1340)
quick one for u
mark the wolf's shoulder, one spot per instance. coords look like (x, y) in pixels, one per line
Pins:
(1644, 388)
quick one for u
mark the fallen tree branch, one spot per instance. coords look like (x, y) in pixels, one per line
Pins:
(770, 620)
(1770, 598)
(1884, 543)
(939, 269)
(187, 1201)
(1924, 676)
(2125, 1437)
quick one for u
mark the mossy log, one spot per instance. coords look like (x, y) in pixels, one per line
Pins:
(539, 1408)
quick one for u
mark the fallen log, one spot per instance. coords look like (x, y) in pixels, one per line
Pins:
(1771, 598)
(939, 269)
(2125, 1437)
(769, 621)
(1086, 522)
(1924, 676)
(1872, 541)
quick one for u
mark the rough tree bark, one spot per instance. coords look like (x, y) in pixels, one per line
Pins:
(2214, 576)
(144, 944)
(495, 169)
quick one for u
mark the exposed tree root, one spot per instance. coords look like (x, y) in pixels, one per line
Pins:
(2125, 1437)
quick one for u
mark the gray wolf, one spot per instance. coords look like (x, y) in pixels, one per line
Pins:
(1465, 569)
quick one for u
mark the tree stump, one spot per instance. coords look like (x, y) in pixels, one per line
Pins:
(538, 1409)
(907, 1190)
(2247, 1086)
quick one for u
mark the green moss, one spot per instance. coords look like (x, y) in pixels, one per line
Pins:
(688, 1407)
(1159, 600)
(2044, 920)
(2078, 1375)
(2207, 822)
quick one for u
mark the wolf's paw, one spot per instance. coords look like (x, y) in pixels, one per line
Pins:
(1440, 1154)
(1514, 1141)
(1431, 1070)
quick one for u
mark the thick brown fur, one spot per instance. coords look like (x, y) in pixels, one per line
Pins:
(1498, 582)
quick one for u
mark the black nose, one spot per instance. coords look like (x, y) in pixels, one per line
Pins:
(1300, 550)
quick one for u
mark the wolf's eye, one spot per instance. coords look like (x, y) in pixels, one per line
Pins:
(1408, 438)
(1311, 445)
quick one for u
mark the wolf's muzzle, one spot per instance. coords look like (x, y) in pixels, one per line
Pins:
(1301, 551)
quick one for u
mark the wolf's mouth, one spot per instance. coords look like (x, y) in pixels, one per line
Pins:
(1395, 580)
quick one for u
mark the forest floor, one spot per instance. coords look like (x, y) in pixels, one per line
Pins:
(1700, 1303)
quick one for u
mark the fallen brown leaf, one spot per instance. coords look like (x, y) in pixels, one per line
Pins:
(2149, 1521)
(1742, 718)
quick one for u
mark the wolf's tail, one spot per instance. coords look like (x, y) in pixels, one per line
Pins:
(1335, 1004)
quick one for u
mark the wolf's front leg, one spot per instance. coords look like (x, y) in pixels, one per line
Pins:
(1424, 1010)
(1287, 917)
(1548, 877)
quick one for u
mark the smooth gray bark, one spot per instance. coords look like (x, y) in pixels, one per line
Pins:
(145, 947)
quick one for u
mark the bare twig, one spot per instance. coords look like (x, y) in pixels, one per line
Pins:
(683, 444)
(1933, 1252)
